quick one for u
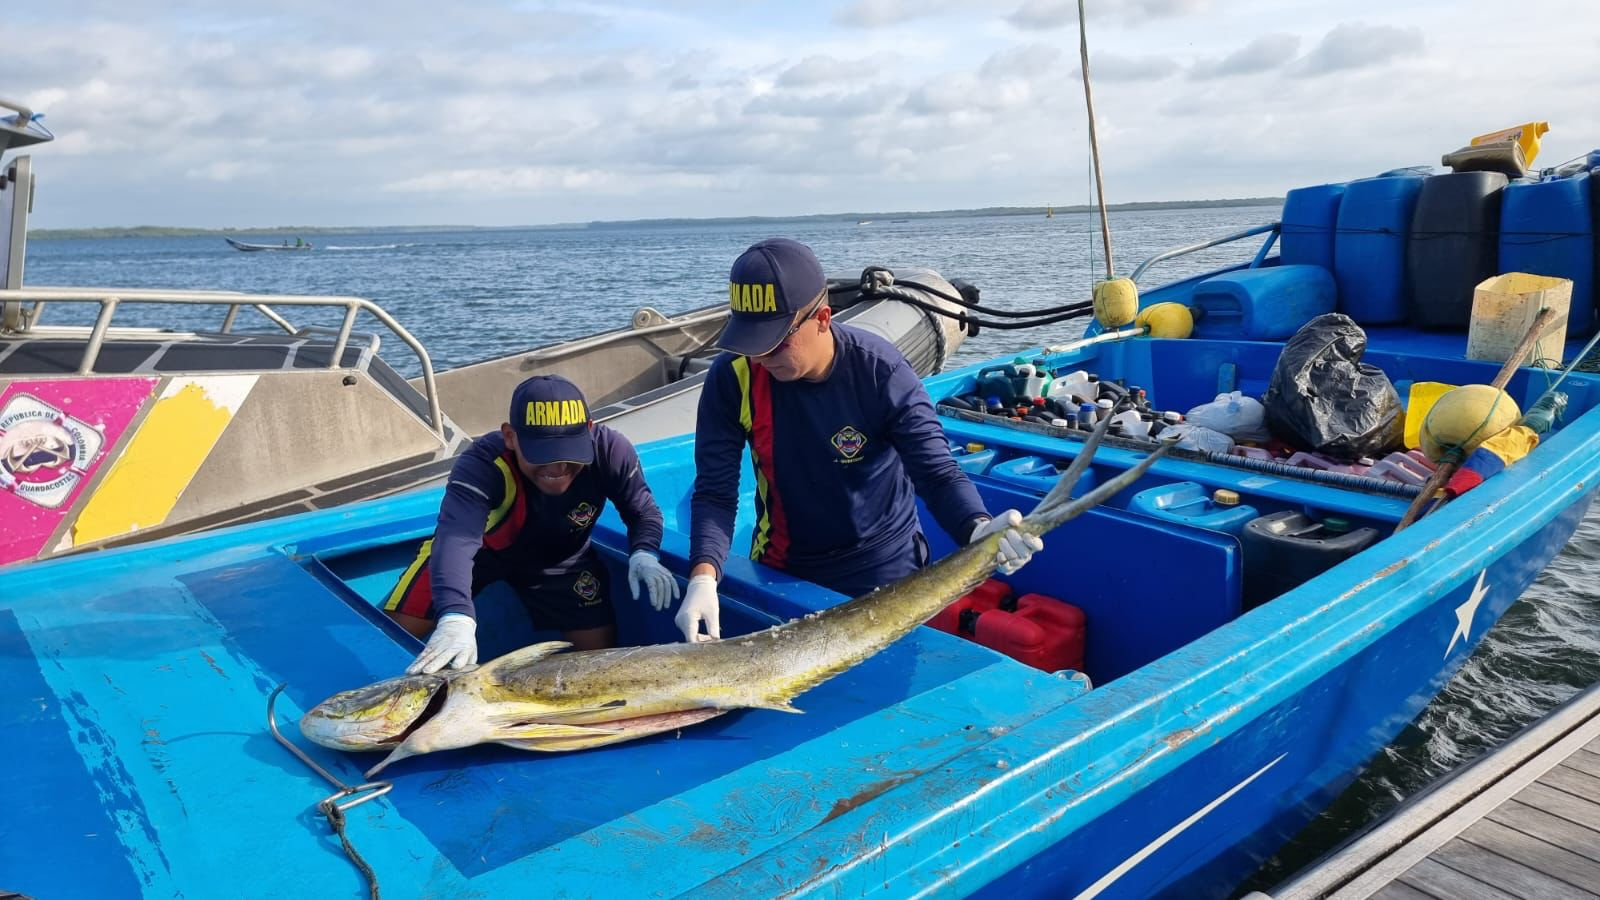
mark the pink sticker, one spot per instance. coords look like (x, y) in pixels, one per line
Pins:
(53, 437)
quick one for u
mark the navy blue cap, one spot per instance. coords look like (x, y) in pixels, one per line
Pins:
(551, 420)
(769, 285)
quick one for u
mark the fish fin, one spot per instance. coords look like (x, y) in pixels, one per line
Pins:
(533, 713)
(777, 704)
(523, 656)
(526, 731)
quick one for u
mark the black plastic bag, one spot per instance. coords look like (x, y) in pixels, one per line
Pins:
(1323, 398)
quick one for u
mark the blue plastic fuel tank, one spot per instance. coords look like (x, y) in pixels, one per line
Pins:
(1194, 504)
(1453, 245)
(1369, 254)
(974, 459)
(1310, 215)
(1262, 304)
(1546, 228)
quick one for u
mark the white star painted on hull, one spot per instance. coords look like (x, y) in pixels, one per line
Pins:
(1466, 611)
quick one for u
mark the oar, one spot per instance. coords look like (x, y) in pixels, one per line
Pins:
(1452, 460)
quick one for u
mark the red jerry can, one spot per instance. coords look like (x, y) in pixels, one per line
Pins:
(992, 594)
(1043, 632)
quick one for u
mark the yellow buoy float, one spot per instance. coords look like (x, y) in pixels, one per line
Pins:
(1166, 320)
(1465, 417)
(1116, 302)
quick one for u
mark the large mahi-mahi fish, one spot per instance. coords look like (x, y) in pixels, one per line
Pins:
(539, 698)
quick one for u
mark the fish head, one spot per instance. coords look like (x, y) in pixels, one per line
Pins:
(375, 717)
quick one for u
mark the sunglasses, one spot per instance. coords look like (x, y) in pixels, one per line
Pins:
(816, 307)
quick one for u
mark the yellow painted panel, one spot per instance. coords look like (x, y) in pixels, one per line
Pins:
(160, 461)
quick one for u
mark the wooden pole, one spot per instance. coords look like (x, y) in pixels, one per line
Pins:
(1448, 465)
(1094, 143)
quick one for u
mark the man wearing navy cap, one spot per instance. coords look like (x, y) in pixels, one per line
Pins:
(843, 439)
(519, 507)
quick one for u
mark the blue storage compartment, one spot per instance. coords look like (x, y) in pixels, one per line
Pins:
(1030, 472)
(1262, 304)
(1546, 229)
(1310, 215)
(1192, 504)
(1369, 253)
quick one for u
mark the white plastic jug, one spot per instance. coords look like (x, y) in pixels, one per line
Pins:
(1131, 424)
(1075, 385)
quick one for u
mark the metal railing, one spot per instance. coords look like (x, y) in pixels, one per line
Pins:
(110, 299)
(1214, 242)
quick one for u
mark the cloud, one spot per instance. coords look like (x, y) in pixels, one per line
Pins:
(1112, 67)
(1353, 45)
(1026, 61)
(1041, 15)
(815, 70)
(823, 106)
(881, 13)
(1262, 54)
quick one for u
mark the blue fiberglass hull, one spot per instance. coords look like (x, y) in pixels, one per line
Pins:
(138, 681)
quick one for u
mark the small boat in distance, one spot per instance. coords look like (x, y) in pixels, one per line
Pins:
(250, 248)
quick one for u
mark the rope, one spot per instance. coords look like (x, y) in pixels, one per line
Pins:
(336, 820)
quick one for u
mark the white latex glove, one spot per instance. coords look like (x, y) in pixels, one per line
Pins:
(1016, 547)
(644, 568)
(453, 644)
(700, 605)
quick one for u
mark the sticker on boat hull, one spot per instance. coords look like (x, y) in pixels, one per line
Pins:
(55, 435)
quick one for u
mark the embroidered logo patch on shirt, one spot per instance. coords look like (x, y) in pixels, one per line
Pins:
(582, 514)
(848, 441)
(587, 587)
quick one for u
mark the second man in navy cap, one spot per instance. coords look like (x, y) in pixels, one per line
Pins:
(842, 438)
(519, 507)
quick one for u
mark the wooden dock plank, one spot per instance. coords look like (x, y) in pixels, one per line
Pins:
(1440, 880)
(1535, 853)
(1396, 890)
(1508, 875)
(1523, 821)
(1550, 828)
(1586, 762)
(1584, 811)
(1572, 781)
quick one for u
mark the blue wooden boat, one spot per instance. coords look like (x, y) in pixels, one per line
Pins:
(1199, 737)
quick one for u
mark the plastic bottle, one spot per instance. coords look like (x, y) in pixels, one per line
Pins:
(1104, 408)
(1131, 424)
(1542, 416)
(1088, 414)
(994, 407)
(1074, 386)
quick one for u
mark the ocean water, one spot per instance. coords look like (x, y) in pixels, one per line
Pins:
(468, 295)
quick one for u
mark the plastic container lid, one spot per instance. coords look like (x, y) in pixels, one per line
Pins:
(1225, 497)
(1336, 525)
(974, 447)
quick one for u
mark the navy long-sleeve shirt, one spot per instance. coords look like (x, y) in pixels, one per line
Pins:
(839, 463)
(535, 533)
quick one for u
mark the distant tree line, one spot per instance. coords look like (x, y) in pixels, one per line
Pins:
(146, 231)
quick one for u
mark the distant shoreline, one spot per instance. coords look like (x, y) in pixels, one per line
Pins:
(138, 231)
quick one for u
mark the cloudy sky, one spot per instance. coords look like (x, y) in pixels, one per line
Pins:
(494, 112)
